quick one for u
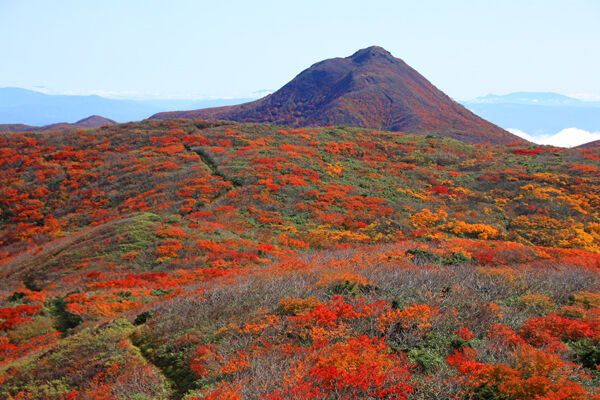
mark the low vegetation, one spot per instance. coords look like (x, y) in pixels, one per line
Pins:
(185, 259)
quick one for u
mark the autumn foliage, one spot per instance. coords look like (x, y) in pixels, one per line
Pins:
(212, 260)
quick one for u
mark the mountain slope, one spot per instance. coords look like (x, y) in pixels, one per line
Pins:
(369, 89)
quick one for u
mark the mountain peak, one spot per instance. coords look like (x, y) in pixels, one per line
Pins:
(370, 89)
(371, 53)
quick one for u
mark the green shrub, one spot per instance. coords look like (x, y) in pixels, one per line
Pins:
(142, 318)
(427, 359)
(64, 320)
(16, 296)
(456, 259)
(423, 256)
(586, 352)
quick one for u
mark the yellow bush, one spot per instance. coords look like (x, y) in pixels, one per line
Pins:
(507, 276)
(480, 231)
(30, 329)
(297, 306)
(537, 300)
(340, 276)
(427, 219)
(588, 299)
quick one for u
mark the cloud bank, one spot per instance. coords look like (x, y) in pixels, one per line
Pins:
(568, 137)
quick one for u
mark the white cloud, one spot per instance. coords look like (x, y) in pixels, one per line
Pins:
(568, 137)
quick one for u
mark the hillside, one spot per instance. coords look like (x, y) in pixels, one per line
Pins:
(172, 259)
(370, 89)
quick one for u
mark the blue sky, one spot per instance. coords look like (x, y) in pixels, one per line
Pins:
(199, 49)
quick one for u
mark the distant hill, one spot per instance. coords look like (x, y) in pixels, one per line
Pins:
(93, 121)
(370, 89)
(537, 113)
(27, 107)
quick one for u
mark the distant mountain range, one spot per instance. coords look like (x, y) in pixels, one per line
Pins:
(534, 98)
(94, 121)
(370, 89)
(28, 107)
(537, 113)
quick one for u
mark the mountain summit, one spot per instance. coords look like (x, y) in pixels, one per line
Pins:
(370, 89)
